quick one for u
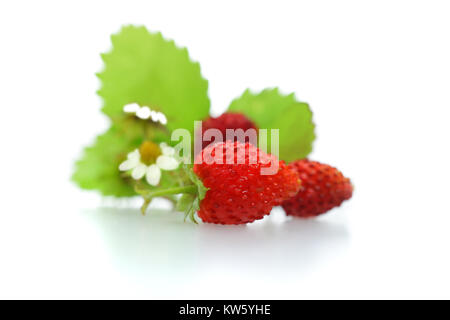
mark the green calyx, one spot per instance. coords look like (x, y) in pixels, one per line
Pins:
(191, 194)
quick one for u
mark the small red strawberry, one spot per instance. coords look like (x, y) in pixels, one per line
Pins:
(228, 120)
(238, 193)
(323, 188)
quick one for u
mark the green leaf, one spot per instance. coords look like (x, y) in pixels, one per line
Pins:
(270, 109)
(144, 67)
(98, 168)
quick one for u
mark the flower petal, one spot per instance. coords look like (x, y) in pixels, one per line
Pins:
(143, 113)
(139, 171)
(131, 108)
(135, 155)
(133, 160)
(154, 115)
(162, 118)
(167, 163)
(166, 150)
(126, 165)
(153, 175)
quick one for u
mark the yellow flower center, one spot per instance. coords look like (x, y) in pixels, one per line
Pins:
(149, 152)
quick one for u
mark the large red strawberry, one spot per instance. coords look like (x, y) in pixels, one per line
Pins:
(323, 188)
(238, 192)
(228, 120)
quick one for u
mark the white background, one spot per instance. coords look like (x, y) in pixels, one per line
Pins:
(375, 73)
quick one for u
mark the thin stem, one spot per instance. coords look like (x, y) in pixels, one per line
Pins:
(145, 206)
(177, 190)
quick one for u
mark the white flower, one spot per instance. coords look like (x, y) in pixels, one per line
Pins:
(145, 113)
(131, 108)
(166, 161)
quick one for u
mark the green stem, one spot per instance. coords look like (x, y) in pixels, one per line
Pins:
(145, 206)
(177, 190)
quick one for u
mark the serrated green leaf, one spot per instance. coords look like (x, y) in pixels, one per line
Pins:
(270, 109)
(98, 169)
(144, 67)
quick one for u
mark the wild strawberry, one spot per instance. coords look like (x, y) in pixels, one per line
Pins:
(228, 120)
(323, 188)
(237, 192)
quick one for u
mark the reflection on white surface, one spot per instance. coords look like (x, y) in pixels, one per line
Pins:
(161, 244)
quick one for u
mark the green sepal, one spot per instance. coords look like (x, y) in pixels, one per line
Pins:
(201, 189)
(195, 207)
(192, 206)
(200, 195)
(150, 192)
(185, 202)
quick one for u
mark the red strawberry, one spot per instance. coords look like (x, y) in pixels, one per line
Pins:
(323, 188)
(238, 193)
(228, 120)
